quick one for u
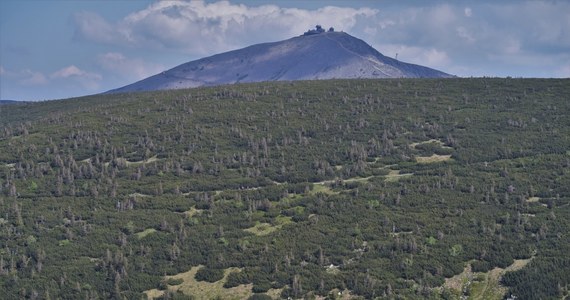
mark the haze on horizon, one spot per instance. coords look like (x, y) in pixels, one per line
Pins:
(60, 49)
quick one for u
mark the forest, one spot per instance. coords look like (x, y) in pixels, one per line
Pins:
(336, 189)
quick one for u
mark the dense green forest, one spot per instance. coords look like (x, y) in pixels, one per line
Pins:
(337, 189)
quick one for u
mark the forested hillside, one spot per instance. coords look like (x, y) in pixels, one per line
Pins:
(338, 188)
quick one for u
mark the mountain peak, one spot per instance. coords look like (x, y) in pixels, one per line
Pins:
(317, 54)
(318, 30)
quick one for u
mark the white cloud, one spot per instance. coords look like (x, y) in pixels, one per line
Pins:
(25, 77)
(86, 79)
(90, 26)
(32, 78)
(463, 33)
(450, 35)
(429, 56)
(133, 69)
(67, 72)
(199, 28)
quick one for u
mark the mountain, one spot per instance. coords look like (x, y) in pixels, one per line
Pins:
(324, 55)
(5, 102)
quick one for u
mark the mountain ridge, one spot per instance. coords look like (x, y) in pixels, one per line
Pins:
(324, 55)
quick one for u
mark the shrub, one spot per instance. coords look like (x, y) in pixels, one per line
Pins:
(236, 278)
(259, 297)
(209, 275)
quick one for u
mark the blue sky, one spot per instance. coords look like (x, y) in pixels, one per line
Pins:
(53, 49)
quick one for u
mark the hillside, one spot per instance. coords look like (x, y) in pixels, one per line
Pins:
(327, 55)
(367, 188)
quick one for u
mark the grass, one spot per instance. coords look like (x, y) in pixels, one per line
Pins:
(274, 293)
(145, 232)
(395, 175)
(192, 212)
(358, 179)
(138, 195)
(261, 229)
(440, 143)
(432, 159)
(321, 188)
(131, 163)
(203, 289)
(483, 286)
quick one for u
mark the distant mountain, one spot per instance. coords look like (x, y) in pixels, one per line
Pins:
(314, 55)
(6, 102)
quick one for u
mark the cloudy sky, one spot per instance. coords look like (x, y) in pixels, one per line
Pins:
(53, 49)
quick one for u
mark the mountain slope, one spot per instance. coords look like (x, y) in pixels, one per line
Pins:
(6, 102)
(320, 56)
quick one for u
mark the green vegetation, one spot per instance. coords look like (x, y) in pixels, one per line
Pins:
(367, 188)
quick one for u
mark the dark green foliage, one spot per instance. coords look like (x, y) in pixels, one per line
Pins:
(209, 274)
(236, 278)
(545, 278)
(259, 297)
(306, 186)
(178, 295)
(480, 266)
(173, 281)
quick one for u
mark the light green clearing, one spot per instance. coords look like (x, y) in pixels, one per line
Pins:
(10, 166)
(145, 232)
(483, 286)
(274, 293)
(332, 269)
(432, 159)
(393, 234)
(358, 179)
(203, 289)
(138, 195)
(131, 163)
(535, 200)
(261, 229)
(321, 188)
(395, 175)
(440, 143)
(192, 212)
(321, 185)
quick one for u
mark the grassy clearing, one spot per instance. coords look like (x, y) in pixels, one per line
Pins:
(395, 175)
(358, 179)
(261, 229)
(341, 295)
(192, 212)
(139, 195)
(145, 232)
(274, 293)
(432, 159)
(483, 286)
(10, 166)
(130, 163)
(202, 289)
(322, 188)
(140, 162)
(440, 143)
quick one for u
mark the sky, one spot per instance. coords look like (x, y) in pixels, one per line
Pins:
(53, 49)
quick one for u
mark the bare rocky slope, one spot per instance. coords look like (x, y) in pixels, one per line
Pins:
(325, 55)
